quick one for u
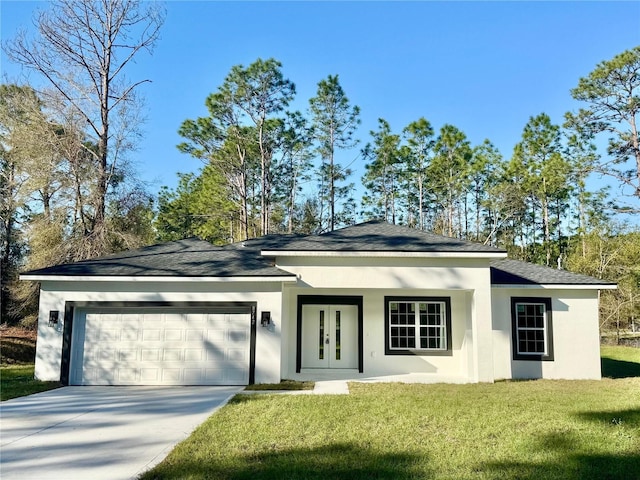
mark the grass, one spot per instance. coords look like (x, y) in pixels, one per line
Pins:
(283, 385)
(18, 381)
(525, 430)
(620, 362)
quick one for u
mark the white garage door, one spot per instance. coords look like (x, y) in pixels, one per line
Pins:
(159, 347)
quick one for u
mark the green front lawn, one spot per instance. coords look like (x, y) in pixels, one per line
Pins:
(18, 381)
(620, 362)
(529, 430)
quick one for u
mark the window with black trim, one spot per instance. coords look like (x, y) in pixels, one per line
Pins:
(417, 325)
(531, 322)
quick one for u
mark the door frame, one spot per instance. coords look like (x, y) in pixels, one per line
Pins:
(330, 300)
(70, 308)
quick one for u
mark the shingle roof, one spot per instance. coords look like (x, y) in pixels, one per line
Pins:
(379, 236)
(190, 257)
(193, 257)
(515, 272)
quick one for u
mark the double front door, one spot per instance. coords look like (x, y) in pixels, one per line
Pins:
(329, 336)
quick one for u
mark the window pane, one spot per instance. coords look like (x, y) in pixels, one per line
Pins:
(403, 314)
(321, 337)
(403, 332)
(530, 326)
(338, 335)
(433, 334)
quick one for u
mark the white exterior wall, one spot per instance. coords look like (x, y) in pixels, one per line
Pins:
(465, 281)
(54, 294)
(576, 341)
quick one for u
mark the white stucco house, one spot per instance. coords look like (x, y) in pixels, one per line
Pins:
(372, 301)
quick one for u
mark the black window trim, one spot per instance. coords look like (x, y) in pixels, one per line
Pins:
(546, 301)
(418, 351)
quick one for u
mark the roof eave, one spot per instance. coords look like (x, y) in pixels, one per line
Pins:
(151, 278)
(562, 286)
(386, 253)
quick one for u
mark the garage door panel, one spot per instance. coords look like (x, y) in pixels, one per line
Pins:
(194, 336)
(193, 376)
(102, 355)
(216, 336)
(128, 375)
(233, 375)
(173, 335)
(151, 334)
(193, 355)
(160, 347)
(215, 355)
(149, 375)
(216, 319)
(107, 335)
(130, 334)
(150, 354)
(213, 376)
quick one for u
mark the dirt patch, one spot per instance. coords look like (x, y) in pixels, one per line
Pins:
(17, 345)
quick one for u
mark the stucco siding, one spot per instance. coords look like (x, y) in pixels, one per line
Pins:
(465, 281)
(53, 296)
(576, 348)
(376, 363)
(331, 272)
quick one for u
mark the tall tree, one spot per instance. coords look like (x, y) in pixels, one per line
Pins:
(334, 122)
(485, 162)
(419, 150)
(82, 49)
(546, 177)
(20, 110)
(383, 173)
(240, 130)
(506, 208)
(448, 173)
(222, 141)
(198, 206)
(261, 91)
(294, 163)
(612, 92)
(581, 152)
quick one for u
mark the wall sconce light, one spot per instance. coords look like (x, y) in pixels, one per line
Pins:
(265, 319)
(53, 318)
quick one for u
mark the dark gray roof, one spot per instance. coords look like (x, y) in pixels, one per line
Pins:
(515, 272)
(378, 236)
(191, 257)
(197, 258)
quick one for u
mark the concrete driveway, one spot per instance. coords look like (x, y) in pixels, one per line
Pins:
(99, 432)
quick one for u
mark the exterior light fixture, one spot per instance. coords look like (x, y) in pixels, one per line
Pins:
(53, 318)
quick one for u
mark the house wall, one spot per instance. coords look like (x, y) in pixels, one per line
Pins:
(466, 281)
(54, 294)
(576, 341)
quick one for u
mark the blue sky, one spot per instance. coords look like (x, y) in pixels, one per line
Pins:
(485, 67)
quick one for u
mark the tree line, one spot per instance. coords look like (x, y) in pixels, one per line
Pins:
(68, 192)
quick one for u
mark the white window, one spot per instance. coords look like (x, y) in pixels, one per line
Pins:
(417, 324)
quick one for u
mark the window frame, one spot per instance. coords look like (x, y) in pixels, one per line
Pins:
(448, 351)
(548, 328)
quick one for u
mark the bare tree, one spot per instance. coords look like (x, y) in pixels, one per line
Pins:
(82, 48)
